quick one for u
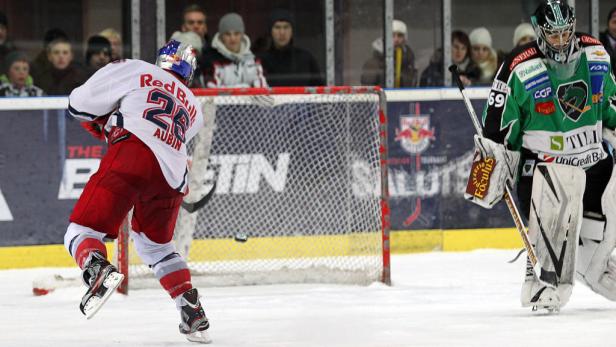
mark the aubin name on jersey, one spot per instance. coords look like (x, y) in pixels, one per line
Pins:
(171, 135)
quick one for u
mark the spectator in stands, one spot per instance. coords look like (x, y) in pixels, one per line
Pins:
(196, 42)
(63, 75)
(523, 34)
(115, 39)
(484, 55)
(6, 45)
(98, 54)
(405, 73)
(432, 76)
(194, 19)
(608, 37)
(285, 64)
(17, 80)
(41, 63)
(229, 63)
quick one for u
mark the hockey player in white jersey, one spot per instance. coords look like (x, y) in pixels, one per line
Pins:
(147, 114)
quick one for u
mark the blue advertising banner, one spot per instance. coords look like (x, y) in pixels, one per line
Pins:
(46, 159)
(42, 172)
(430, 154)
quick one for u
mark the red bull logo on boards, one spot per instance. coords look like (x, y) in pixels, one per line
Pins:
(415, 133)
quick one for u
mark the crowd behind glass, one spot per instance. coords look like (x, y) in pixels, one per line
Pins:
(228, 59)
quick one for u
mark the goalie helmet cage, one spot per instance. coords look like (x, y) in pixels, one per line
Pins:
(301, 190)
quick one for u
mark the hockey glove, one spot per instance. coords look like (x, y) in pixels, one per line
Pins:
(609, 135)
(494, 166)
(96, 127)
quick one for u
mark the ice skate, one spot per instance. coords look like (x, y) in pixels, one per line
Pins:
(537, 295)
(194, 323)
(102, 278)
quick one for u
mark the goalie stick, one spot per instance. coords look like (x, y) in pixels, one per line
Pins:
(195, 206)
(515, 213)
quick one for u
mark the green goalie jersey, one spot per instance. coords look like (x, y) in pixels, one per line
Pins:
(548, 119)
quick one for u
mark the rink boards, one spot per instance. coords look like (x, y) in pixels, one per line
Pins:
(45, 159)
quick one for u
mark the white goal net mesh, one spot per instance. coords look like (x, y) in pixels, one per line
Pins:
(297, 195)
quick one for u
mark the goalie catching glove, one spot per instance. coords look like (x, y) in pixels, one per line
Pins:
(493, 167)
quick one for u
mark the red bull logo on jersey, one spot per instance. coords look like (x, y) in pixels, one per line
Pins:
(415, 133)
(147, 80)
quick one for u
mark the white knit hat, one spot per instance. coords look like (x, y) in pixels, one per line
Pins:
(189, 37)
(480, 36)
(523, 30)
(398, 26)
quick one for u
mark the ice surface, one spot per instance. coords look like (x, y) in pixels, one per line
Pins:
(437, 299)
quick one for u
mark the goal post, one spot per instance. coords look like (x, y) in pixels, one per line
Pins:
(299, 179)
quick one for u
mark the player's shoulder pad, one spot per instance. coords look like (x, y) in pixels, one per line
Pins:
(122, 64)
(524, 61)
(594, 50)
(586, 40)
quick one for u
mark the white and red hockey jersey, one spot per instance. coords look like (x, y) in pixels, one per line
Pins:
(149, 102)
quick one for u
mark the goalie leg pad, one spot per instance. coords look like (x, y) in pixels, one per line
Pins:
(554, 226)
(596, 266)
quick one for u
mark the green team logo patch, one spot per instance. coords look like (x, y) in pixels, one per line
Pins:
(557, 143)
(572, 98)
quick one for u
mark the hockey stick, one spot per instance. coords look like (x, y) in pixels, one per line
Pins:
(515, 213)
(194, 206)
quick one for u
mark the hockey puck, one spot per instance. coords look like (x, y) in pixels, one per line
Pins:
(241, 237)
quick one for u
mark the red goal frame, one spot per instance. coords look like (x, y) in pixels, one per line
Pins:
(123, 237)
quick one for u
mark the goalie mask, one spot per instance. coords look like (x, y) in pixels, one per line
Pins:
(178, 57)
(554, 24)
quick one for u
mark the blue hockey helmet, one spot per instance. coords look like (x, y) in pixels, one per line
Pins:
(178, 57)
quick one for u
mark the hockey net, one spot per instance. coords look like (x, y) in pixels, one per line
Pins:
(299, 190)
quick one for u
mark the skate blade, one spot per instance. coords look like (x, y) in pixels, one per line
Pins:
(95, 303)
(199, 337)
(548, 309)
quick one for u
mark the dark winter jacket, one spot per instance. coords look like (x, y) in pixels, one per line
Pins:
(291, 66)
(432, 76)
(373, 71)
(604, 37)
(60, 82)
(6, 48)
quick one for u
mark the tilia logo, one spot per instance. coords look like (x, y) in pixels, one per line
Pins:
(557, 143)
(576, 140)
(5, 211)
